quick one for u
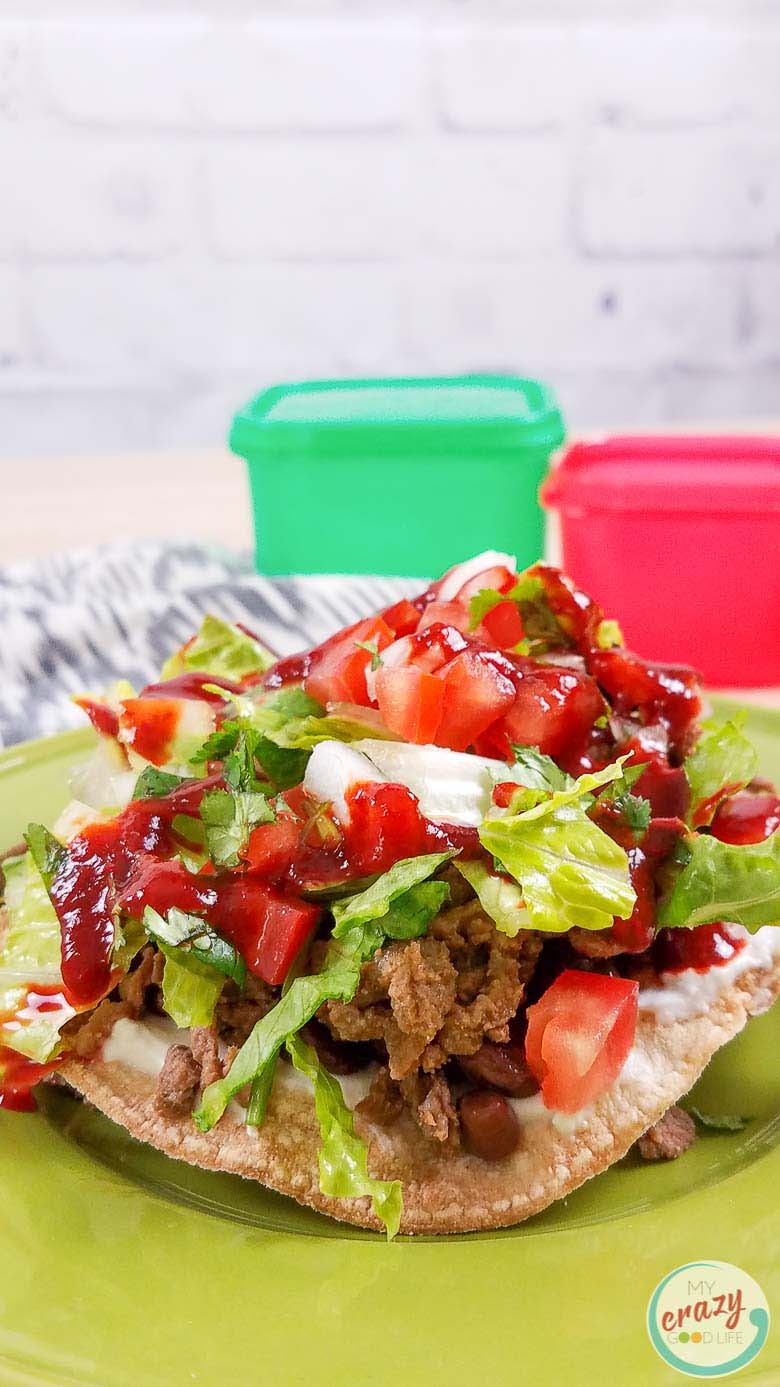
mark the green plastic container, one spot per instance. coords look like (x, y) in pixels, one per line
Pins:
(396, 476)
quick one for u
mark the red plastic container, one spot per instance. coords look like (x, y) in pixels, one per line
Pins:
(679, 538)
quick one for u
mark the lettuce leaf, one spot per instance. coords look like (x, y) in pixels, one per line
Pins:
(30, 954)
(410, 913)
(723, 762)
(190, 990)
(221, 649)
(502, 900)
(571, 872)
(338, 981)
(376, 901)
(723, 881)
(303, 734)
(343, 1156)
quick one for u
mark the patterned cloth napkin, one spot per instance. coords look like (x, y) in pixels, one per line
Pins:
(78, 621)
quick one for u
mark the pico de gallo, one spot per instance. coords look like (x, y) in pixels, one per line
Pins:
(446, 848)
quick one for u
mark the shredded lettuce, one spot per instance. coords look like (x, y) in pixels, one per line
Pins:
(190, 990)
(29, 954)
(221, 649)
(571, 872)
(723, 881)
(337, 981)
(502, 900)
(303, 734)
(723, 762)
(343, 1162)
(376, 901)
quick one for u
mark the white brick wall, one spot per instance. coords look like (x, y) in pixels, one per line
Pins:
(198, 199)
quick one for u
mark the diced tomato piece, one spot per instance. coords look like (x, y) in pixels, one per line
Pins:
(476, 693)
(579, 1036)
(499, 578)
(669, 693)
(271, 847)
(338, 668)
(268, 928)
(666, 787)
(502, 626)
(385, 825)
(402, 618)
(410, 702)
(504, 793)
(446, 614)
(747, 818)
(553, 708)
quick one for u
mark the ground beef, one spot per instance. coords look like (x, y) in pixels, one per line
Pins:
(435, 1109)
(418, 981)
(148, 971)
(383, 1104)
(238, 1011)
(492, 974)
(205, 1048)
(595, 943)
(85, 1035)
(178, 1081)
(669, 1137)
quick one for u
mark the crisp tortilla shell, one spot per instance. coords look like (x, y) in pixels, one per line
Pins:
(443, 1193)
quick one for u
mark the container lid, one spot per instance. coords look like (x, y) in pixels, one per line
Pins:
(390, 415)
(665, 474)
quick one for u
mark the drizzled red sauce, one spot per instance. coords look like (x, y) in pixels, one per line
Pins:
(18, 1074)
(384, 825)
(293, 669)
(98, 863)
(192, 685)
(103, 718)
(707, 946)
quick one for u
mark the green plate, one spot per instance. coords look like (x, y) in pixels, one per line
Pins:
(121, 1267)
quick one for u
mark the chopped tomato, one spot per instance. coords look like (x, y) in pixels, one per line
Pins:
(385, 825)
(271, 847)
(666, 787)
(410, 702)
(579, 1036)
(476, 693)
(104, 719)
(151, 725)
(747, 818)
(502, 626)
(445, 614)
(553, 707)
(338, 668)
(666, 693)
(402, 618)
(499, 578)
(267, 927)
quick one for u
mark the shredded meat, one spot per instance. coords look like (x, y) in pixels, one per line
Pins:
(205, 1049)
(177, 1084)
(85, 1035)
(671, 1135)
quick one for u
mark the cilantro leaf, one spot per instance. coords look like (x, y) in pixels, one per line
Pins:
(47, 852)
(539, 772)
(726, 1122)
(191, 939)
(229, 817)
(156, 784)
